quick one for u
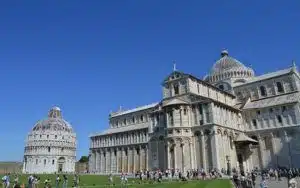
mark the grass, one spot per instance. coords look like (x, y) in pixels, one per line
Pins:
(95, 181)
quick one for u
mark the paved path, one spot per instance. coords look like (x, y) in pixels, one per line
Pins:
(278, 184)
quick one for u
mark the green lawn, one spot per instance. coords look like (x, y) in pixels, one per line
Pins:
(94, 181)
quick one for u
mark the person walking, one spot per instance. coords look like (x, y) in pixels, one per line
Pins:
(65, 181)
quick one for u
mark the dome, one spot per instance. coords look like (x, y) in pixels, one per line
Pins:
(227, 63)
(54, 122)
(228, 67)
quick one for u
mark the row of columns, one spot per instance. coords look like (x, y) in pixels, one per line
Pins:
(121, 139)
(181, 157)
(127, 159)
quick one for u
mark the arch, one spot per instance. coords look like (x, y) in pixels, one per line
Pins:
(219, 131)
(161, 138)
(207, 132)
(263, 91)
(197, 133)
(61, 164)
(225, 132)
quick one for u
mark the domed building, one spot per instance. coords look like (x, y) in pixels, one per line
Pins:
(50, 146)
(232, 120)
(227, 72)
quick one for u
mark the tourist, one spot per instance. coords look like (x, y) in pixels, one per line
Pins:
(263, 183)
(57, 181)
(65, 181)
(293, 183)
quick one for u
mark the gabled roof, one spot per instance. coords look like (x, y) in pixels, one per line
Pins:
(178, 74)
(273, 101)
(145, 107)
(121, 129)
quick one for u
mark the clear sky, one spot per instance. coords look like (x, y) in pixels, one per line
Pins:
(90, 57)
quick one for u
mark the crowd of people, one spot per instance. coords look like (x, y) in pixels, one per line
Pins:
(33, 181)
(249, 179)
(239, 179)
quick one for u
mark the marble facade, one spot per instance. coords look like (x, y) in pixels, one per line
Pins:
(229, 119)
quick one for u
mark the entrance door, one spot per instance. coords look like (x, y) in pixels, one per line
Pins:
(60, 167)
(240, 161)
(61, 164)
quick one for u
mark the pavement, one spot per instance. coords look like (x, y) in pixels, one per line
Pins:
(277, 184)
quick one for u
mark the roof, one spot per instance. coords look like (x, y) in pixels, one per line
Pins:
(121, 129)
(173, 102)
(267, 76)
(244, 138)
(145, 107)
(273, 101)
(227, 63)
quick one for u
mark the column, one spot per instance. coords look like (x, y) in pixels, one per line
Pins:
(215, 149)
(123, 159)
(191, 155)
(180, 115)
(189, 110)
(146, 157)
(274, 150)
(182, 145)
(97, 161)
(141, 158)
(287, 141)
(204, 113)
(203, 151)
(261, 154)
(134, 154)
(107, 161)
(129, 160)
(169, 155)
(175, 157)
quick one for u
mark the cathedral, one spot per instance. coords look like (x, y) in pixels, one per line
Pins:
(230, 119)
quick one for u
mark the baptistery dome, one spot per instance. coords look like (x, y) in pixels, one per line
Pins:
(50, 146)
(228, 70)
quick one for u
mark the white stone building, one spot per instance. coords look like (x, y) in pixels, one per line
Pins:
(50, 146)
(230, 119)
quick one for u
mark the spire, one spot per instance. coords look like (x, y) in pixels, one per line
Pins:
(174, 65)
(294, 67)
(294, 63)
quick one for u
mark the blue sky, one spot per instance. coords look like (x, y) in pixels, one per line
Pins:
(90, 57)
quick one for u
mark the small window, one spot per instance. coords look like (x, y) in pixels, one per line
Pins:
(271, 110)
(263, 91)
(36, 161)
(47, 136)
(279, 119)
(45, 161)
(279, 87)
(258, 112)
(184, 111)
(49, 149)
(40, 136)
(142, 118)
(176, 89)
(157, 118)
(254, 123)
(283, 108)
(198, 88)
(221, 87)
(62, 149)
(55, 136)
(53, 162)
(133, 120)
(124, 121)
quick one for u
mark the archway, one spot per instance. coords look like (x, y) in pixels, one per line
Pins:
(61, 164)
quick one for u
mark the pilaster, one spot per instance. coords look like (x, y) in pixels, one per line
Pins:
(215, 149)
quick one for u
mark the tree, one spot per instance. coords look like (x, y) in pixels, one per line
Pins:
(84, 159)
